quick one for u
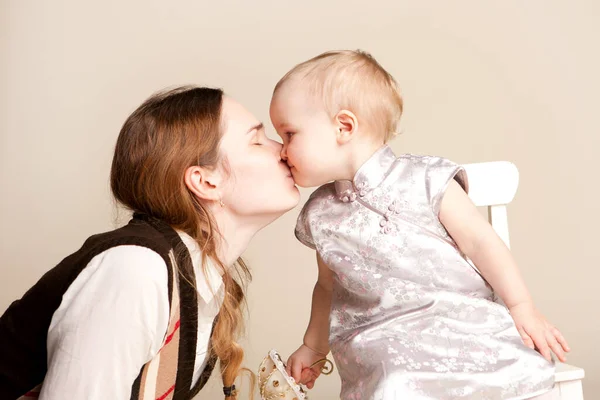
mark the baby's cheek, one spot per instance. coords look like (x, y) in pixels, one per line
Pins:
(302, 160)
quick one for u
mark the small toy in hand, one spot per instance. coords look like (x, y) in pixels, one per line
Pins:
(275, 383)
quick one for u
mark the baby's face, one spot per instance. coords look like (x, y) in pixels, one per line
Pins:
(309, 136)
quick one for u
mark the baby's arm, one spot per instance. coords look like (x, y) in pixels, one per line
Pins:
(316, 338)
(478, 241)
(317, 333)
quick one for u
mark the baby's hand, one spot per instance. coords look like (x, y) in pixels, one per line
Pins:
(298, 366)
(537, 333)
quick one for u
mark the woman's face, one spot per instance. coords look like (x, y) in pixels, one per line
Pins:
(260, 184)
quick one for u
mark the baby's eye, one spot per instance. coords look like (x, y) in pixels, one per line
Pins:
(289, 134)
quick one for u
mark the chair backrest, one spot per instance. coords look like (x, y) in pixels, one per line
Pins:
(493, 185)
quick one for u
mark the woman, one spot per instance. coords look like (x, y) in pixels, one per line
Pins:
(144, 311)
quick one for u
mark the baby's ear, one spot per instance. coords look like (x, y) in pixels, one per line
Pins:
(346, 125)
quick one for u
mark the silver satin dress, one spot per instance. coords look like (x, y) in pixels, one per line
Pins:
(411, 318)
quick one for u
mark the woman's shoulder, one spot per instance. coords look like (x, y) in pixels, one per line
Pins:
(136, 269)
(131, 259)
(128, 283)
(111, 320)
(138, 232)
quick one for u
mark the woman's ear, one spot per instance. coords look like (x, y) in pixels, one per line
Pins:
(346, 124)
(204, 183)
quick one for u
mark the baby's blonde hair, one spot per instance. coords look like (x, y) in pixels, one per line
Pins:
(353, 80)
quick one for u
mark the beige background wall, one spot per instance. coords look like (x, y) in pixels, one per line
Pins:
(482, 80)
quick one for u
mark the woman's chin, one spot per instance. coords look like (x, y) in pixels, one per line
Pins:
(285, 203)
(294, 198)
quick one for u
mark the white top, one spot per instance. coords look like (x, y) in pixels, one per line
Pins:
(113, 319)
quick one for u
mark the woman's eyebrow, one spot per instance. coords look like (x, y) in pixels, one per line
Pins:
(256, 127)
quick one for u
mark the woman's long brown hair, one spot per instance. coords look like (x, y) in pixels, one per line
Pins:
(168, 133)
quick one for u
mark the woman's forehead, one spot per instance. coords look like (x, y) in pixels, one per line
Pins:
(237, 117)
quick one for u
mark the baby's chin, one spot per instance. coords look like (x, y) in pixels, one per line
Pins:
(305, 182)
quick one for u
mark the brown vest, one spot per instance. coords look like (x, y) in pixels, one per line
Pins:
(24, 325)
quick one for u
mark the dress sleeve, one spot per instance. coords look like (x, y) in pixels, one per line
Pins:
(303, 232)
(438, 175)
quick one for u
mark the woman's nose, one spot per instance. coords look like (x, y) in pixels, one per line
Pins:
(281, 149)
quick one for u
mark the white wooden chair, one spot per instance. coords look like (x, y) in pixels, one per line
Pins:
(493, 185)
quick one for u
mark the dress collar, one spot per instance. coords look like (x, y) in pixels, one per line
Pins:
(369, 175)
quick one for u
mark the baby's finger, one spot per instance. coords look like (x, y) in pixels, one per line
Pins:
(306, 376)
(526, 339)
(296, 370)
(310, 384)
(317, 370)
(560, 338)
(542, 345)
(556, 348)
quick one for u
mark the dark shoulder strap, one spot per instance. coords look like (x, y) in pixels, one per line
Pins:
(188, 295)
(208, 368)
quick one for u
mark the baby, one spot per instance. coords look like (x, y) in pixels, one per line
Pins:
(404, 313)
